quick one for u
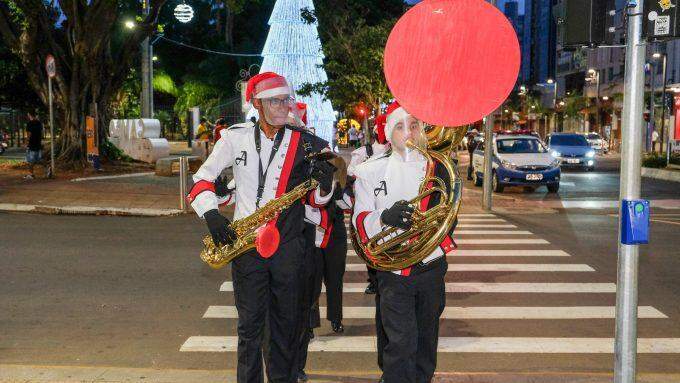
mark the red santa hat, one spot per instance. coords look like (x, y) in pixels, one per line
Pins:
(380, 129)
(266, 85)
(394, 113)
(302, 111)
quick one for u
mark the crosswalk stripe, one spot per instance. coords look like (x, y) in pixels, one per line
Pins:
(500, 241)
(493, 287)
(485, 226)
(496, 253)
(515, 345)
(512, 312)
(492, 232)
(476, 215)
(563, 267)
(509, 253)
(494, 241)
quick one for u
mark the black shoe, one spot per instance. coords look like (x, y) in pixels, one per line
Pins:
(302, 377)
(337, 327)
(370, 289)
(311, 334)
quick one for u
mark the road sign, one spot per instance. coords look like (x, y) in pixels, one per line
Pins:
(50, 66)
(660, 21)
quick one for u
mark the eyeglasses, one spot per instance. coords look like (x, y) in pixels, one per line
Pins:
(278, 102)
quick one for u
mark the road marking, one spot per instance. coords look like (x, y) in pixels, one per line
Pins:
(565, 183)
(494, 287)
(512, 312)
(484, 226)
(664, 221)
(509, 253)
(499, 267)
(492, 232)
(500, 241)
(514, 345)
(492, 253)
(480, 220)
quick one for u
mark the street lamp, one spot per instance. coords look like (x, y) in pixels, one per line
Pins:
(129, 24)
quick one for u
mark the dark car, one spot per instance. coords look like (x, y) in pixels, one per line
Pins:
(572, 149)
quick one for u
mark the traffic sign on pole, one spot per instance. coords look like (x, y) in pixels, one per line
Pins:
(50, 66)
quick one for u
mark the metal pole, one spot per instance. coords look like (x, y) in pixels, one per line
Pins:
(52, 171)
(663, 101)
(146, 71)
(597, 102)
(183, 170)
(488, 153)
(625, 345)
(651, 125)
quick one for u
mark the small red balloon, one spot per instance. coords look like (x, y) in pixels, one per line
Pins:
(267, 239)
(452, 62)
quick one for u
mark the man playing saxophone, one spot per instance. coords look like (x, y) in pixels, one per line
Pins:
(268, 158)
(412, 299)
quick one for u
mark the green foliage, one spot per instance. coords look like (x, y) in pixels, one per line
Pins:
(196, 93)
(353, 34)
(162, 82)
(574, 105)
(656, 160)
(110, 151)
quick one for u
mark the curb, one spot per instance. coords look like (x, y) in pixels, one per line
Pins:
(661, 174)
(89, 210)
(72, 374)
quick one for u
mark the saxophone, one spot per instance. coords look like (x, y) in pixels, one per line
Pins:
(246, 228)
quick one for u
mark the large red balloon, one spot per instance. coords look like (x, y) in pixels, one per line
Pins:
(452, 62)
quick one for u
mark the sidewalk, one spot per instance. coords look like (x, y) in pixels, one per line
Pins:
(122, 191)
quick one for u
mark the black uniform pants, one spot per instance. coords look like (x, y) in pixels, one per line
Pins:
(469, 169)
(312, 290)
(269, 291)
(334, 258)
(410, 308)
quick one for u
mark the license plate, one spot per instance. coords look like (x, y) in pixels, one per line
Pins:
(573, 161)
(534, 177)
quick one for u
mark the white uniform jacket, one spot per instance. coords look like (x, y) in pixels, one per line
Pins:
(381, 182)
(360, 156)
(236, 149)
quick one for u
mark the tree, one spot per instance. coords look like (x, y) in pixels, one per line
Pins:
(93, 57)
(354, 34)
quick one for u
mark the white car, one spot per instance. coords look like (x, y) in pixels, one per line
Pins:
(518, 161)
(596, 142)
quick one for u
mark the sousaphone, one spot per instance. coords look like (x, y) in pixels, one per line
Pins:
(449, 64)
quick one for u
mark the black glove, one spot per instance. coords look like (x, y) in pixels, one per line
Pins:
(219, 228)
(222, 188)
(322, 171)
(399, 215)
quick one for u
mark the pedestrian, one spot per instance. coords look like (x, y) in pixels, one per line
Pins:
(353, 136)
(359, 156)
(220, 125)
(655, 139)
(471, 146)
(34, 129)
(413, 299)
(326, 261)
(268, 281)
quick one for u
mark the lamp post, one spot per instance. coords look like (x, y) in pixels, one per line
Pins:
(554, 84)
(663, 136)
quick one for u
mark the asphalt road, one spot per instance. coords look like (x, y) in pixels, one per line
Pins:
(598, 185)
(131, 292)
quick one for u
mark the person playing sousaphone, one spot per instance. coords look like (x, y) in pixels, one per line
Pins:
(411, 299)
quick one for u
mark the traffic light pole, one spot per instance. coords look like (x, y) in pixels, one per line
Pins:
(625, 345)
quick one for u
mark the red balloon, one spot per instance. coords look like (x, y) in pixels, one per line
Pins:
(452, 62)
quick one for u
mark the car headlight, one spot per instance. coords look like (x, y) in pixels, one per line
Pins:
(508, 165)
(555, 153)
(590, 154)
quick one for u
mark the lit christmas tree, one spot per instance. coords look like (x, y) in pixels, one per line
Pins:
(293, 50)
